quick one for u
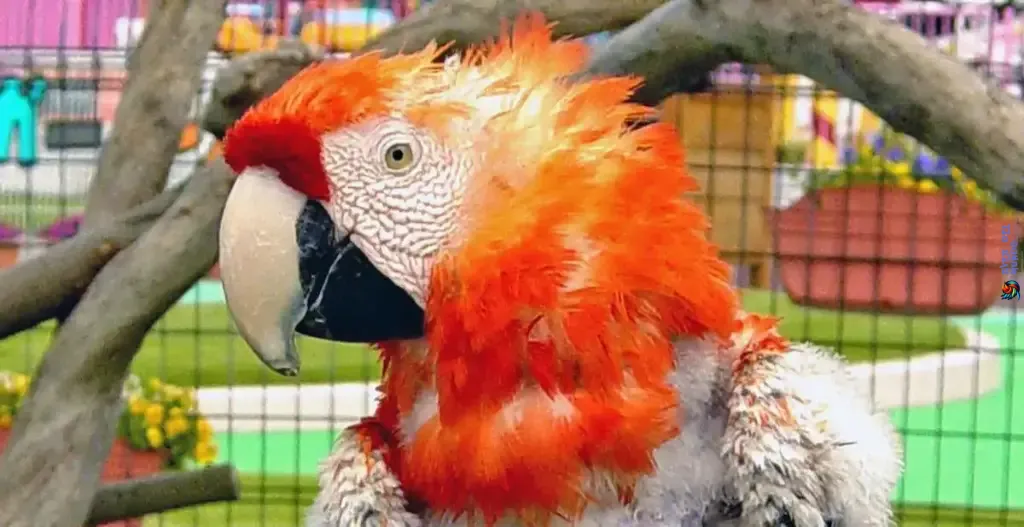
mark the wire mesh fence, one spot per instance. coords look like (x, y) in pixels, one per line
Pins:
(859, 237)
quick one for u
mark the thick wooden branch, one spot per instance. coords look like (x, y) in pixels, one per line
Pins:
(64, 431)
(164, 75)
(253, 76)
(29, 290)
(164, 492)
(916, 88)
(249, 78)
(464, 22)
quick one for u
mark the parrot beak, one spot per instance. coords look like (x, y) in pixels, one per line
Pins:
(287, 269)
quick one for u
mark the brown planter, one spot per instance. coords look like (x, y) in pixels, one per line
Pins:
(8, 254)
(123, 463)
(890, 250)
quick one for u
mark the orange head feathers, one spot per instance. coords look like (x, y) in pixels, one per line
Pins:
(550, 245)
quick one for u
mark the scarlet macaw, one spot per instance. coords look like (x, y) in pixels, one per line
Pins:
(561, 342)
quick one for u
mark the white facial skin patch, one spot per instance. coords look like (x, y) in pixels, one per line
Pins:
(396, 191)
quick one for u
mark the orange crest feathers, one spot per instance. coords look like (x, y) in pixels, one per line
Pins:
(283, 131)
(578, 262)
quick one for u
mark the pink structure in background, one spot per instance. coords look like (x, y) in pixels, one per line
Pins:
(63, 23)
(89, 24)
(973, 32)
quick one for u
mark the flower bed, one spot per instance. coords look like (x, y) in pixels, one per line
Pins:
(159, 428)
(889, 233)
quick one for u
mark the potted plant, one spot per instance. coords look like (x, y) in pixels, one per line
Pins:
(892, 233)
(159, 428)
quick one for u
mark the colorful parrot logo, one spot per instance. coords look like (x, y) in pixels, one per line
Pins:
(1011, 290)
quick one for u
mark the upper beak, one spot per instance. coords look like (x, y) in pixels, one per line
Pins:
(286, 268)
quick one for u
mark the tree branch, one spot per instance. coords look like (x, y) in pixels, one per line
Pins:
(249, 78)
(164, 492)
(465, 22)
(64, 430)
(164, 75)
(916, 88)
(31, 290)
(255, 75)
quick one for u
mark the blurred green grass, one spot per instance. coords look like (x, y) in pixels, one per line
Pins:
(33, 212)
(196, 345)
(858, 336)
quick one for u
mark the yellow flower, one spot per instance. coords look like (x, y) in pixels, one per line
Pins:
(155, 384)
(205, 452)
(203, 429)
(20, 383)
(136, 405)
(927, 186)
(154, 414)
(899, 168)
(5, 420)
(906, 182)
(188, 398)
(154, 437)
(175, 426)
(956, 174)
(173, 392)
(176, 412)
(865, 151)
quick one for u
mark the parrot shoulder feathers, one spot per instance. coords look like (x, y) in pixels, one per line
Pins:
(802, 442)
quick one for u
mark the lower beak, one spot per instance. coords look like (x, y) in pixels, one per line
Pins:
(286, 269)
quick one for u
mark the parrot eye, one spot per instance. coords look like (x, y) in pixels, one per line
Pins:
(399, 156)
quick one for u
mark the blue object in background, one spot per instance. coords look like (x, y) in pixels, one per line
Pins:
(895, 154)
(849, 155)
(877, 143)
(19, 109)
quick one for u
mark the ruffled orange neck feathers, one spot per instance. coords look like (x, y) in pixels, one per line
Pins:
(551, 318)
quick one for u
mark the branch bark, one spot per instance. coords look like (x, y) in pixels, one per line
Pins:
(465, 22)
(46, 286)
(64, 431)
(164, 492)
(164, 75)
(249, 78)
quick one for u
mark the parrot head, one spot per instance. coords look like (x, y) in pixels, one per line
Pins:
(477, 202)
